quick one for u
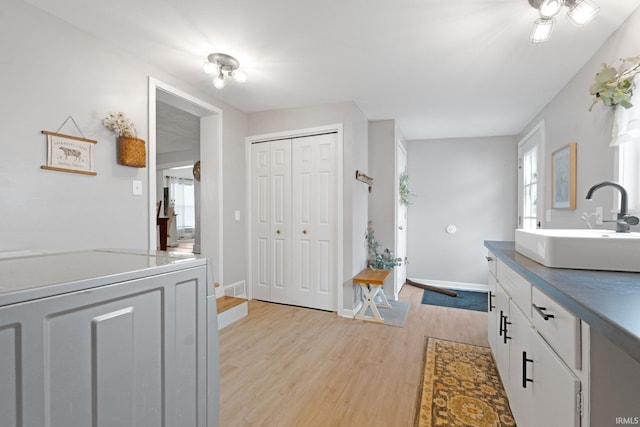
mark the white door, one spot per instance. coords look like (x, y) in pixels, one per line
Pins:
(271, 213)
(530, 175)
(314, 221)
(294, 221)
(401, 230)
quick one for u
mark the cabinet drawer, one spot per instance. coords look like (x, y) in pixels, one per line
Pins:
(516, 286)
(559, 328)
(492, 263)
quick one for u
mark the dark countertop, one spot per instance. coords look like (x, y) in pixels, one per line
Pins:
(608, 301)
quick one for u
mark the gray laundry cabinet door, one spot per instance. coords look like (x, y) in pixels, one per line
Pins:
(128, 354)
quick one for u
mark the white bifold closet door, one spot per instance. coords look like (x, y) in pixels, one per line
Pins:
(294, 221)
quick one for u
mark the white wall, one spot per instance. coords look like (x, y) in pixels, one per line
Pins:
(567, 119)
(470, 183)
(50, 70)
(354, 157)
(383, 137)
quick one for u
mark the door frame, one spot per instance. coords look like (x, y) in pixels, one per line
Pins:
(338, 128)
(211, 178)
(398, 284)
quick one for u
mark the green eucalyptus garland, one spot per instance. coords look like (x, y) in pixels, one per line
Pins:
(405, 193)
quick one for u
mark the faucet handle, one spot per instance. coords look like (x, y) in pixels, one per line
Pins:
(631, 220)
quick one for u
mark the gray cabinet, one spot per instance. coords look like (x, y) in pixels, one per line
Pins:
(131, 348)
(538, 357)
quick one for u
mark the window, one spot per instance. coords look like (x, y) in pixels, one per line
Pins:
(182, 198)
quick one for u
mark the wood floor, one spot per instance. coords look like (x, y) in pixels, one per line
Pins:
(289, 366)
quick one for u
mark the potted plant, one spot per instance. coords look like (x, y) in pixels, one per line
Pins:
(131, 149)
(614, 87)
(377, 260)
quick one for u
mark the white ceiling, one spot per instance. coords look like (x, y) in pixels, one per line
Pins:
(440, 68)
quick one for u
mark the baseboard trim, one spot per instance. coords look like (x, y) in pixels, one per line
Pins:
(350, 314)
(461, 286)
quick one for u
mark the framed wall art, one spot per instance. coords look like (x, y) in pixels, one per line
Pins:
(563, 177)
(68, 153)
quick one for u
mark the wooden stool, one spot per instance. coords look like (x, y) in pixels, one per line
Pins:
(371, 282)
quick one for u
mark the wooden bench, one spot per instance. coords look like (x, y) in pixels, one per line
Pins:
(371, 282)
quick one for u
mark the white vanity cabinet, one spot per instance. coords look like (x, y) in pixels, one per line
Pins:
(107, 339)
(538, 360)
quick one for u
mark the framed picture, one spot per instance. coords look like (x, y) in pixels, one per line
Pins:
(67, 153)
(563, 177)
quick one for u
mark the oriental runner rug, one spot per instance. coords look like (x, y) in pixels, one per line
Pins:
(461, 387)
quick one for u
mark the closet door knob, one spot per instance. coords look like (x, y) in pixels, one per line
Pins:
(277, 231)
(304, 231)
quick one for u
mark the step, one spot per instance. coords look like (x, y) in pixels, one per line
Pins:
(230, 310)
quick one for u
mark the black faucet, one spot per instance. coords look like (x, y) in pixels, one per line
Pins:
(624, 220)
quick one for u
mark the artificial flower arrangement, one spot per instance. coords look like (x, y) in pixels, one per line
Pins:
(614, 87)
(131, 149)
(120, 125)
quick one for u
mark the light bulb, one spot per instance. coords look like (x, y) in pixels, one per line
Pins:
(541, 30)
(550, 8)
(582, 12)
(240, 76)
(210, 67)
(218, 81)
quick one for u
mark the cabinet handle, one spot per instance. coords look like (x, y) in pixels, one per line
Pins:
(489, 258)
(541, 312)
(505, 330)
(525, 380)
(491, 306)
(501, 319)
(277, 231)
(304, 231)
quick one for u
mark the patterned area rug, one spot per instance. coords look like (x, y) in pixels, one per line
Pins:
(461, 387)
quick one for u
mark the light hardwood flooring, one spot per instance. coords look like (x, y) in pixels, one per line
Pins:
(288, 366)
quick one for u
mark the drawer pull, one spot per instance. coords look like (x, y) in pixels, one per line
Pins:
(541, 312)
(501, 319)
(491, 306)
(525, 380)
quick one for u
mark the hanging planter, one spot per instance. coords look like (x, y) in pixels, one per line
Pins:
(131, 149)
(132, 152)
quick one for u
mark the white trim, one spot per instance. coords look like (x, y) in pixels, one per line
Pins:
(351, 314)
(232, 315)
(202, 109)
(461, 286)
(338, 128)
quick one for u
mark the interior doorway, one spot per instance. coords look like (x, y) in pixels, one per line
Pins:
(177, 151)
(208, 236)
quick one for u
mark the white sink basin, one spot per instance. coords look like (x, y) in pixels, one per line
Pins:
(581, 249)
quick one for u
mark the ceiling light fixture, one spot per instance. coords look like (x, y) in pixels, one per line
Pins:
(580, 12)
(223, 65)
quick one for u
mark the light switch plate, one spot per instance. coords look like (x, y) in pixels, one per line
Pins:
(237, 215)
(137, 188)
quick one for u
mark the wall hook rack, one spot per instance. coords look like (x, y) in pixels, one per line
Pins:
(364, 178)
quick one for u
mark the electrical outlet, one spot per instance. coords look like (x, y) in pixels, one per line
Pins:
(599, 215)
